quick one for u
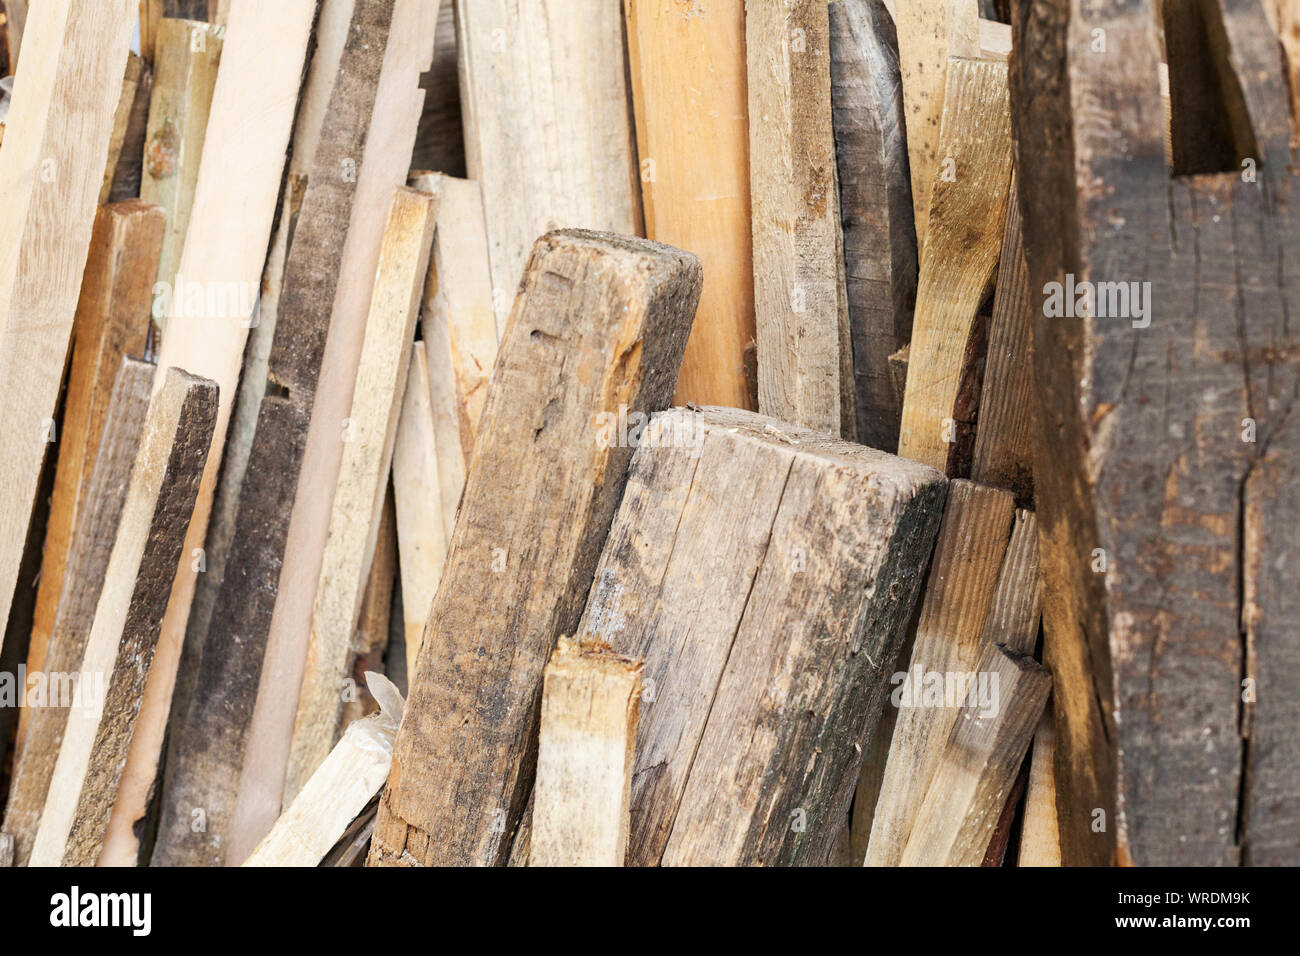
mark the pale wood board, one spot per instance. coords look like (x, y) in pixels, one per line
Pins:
(1040, 835)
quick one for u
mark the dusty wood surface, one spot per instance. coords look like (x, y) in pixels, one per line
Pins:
(598, 329)
(1143, 449)
(363, 480)
(111, 322)
(958, 261)
(959, 592)
(83, 578)
(349, 778)
(59, 123)
(547, 128)
(119, 649)
(1040, 835)
(805, 362)
(978, 767)
(687, 65)
(587, 738)
(928, 35)
(875, 207)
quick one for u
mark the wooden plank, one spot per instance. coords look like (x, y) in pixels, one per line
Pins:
(110, 323)
(440, 142)
(989, 740)
(185, 75)
(59, 123)
(215, 731)
(1017, 600)
(617, 311)
(349, 778)
(421, 534)
(1040, 835)
(687, 65)
(547, 131)
(225, 249)
(875, 207)
(1144, 470)
(1003, 441)
(995, 40)
(958, 261)
(15, 22)
(370, 642)
(929, 35)
(805, 362)
(83, 578)
(363, 479)
(128, 173)
(121, 120)
(590, 702)
(959, 592)
(164, 483)
(751, 499)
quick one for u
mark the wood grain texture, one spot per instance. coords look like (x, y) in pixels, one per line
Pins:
(875, 207)
(215, 731)
(363, 480)
(978, 767)
(1018, 598)
(374, 627)
(805, 363)
(959, 592)
(929, 34)
(587, 738)
(687, 65)
(1040, 835)
(1140, 462)
(599, 328)
(83, 578)
(186, 59)
(1003, 453)
(128, 616)
(547, 131)
(958, 261)
(111, 322)
(59, 123)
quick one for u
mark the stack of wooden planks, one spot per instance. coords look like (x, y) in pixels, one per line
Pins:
(649, 433)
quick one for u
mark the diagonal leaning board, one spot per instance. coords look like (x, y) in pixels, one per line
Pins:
(599, 328)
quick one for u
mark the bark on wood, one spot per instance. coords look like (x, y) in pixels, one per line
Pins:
(598, 329)
(687, 65)
(58, 129)
(1040, 836)
(1140, 463)
(164, 483)
(590, 701)
(978, 767)
(363, 480)
(875, 207)
(958, 261)
(959, 592)
(805, 361)
(83, 578)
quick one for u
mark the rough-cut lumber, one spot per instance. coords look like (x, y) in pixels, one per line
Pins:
(421, 534)
(184, 76)
(749, 604)
(1166, 447)
(875, 207)
(121, 122)
(805, 361)
(225, 248)
(348, 779)
(959, 592)
(1003, 453)
(959, 257)
(58, 128)
(1040, 837)
(598, 330)
(215, 731)
(111, 322)
(990, 737)
(83, 577)
(363, 479)
(1017, 600)
(119, 649)
(590, 701)
(687, 64)
(929, 34)
(547, 132)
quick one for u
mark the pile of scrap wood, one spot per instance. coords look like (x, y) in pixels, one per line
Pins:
(649, 432)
